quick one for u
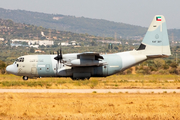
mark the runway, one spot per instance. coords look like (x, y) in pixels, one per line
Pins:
(89, 90)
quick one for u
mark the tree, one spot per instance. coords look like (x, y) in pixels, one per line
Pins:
(2, 67)
(174, 65)
(93, 43)
(32, 50)
(110, 46)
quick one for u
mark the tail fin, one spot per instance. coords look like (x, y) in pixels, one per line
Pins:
(156, 42)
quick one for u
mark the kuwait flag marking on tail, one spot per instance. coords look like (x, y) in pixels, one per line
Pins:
(158, 18)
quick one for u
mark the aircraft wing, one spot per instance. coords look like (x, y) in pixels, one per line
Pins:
(88, 59)
(90, 55)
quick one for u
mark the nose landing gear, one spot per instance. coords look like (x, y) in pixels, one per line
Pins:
(25, 77)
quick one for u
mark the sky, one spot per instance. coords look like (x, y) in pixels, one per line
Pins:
(135, 12)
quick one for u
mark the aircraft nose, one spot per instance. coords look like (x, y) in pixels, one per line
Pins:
(11, 69)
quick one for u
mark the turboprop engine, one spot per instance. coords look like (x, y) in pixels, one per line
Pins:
(80, 62)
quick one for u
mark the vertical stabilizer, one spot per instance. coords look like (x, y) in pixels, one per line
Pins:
(156, 41)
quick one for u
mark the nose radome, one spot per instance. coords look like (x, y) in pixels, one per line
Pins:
(11, 69)
(8, 68)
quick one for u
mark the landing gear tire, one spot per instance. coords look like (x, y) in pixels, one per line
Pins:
(74, 78)
(25, 78)
(87, 78)
(80, 78)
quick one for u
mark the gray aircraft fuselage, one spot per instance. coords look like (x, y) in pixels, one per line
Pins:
(46, 66)
(90, 64)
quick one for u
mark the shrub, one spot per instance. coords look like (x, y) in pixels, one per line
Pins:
(164, 91)
(153, 68)
(161, 71)
(159, 63)
(173, 71)
(94, 92)
(174, 65)
(144, 70)
(165, 66)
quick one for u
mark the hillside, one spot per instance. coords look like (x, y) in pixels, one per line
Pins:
(11, 30)
(95, 27)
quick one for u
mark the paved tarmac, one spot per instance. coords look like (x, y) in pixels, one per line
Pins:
(89, 90)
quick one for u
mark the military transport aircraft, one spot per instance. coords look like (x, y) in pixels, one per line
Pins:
(91, 64)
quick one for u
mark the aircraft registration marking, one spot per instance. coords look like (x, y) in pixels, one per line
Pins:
(36, 60)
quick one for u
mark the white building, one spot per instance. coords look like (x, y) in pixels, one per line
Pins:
(46, 42)
(108, 41)
(65, 44)
(1, 39)
(34, 43)
(71, 43)
(34, 46)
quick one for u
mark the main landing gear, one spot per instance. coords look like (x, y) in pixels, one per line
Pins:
(25, 77)
(80, 78)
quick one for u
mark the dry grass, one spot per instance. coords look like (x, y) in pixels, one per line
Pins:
(89, 106)
(113, 82)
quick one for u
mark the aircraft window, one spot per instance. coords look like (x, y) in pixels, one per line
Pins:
(20, 60)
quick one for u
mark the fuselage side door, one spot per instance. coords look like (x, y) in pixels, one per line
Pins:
(33, 70)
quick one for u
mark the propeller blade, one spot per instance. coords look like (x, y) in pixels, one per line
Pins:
(60, 57)
(57, 57)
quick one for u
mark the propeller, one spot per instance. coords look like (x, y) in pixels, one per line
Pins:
(59, 56)
(59, 59)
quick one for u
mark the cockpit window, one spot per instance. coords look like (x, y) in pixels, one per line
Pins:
(20, 59)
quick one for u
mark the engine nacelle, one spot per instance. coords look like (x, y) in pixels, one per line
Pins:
(89, 62)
